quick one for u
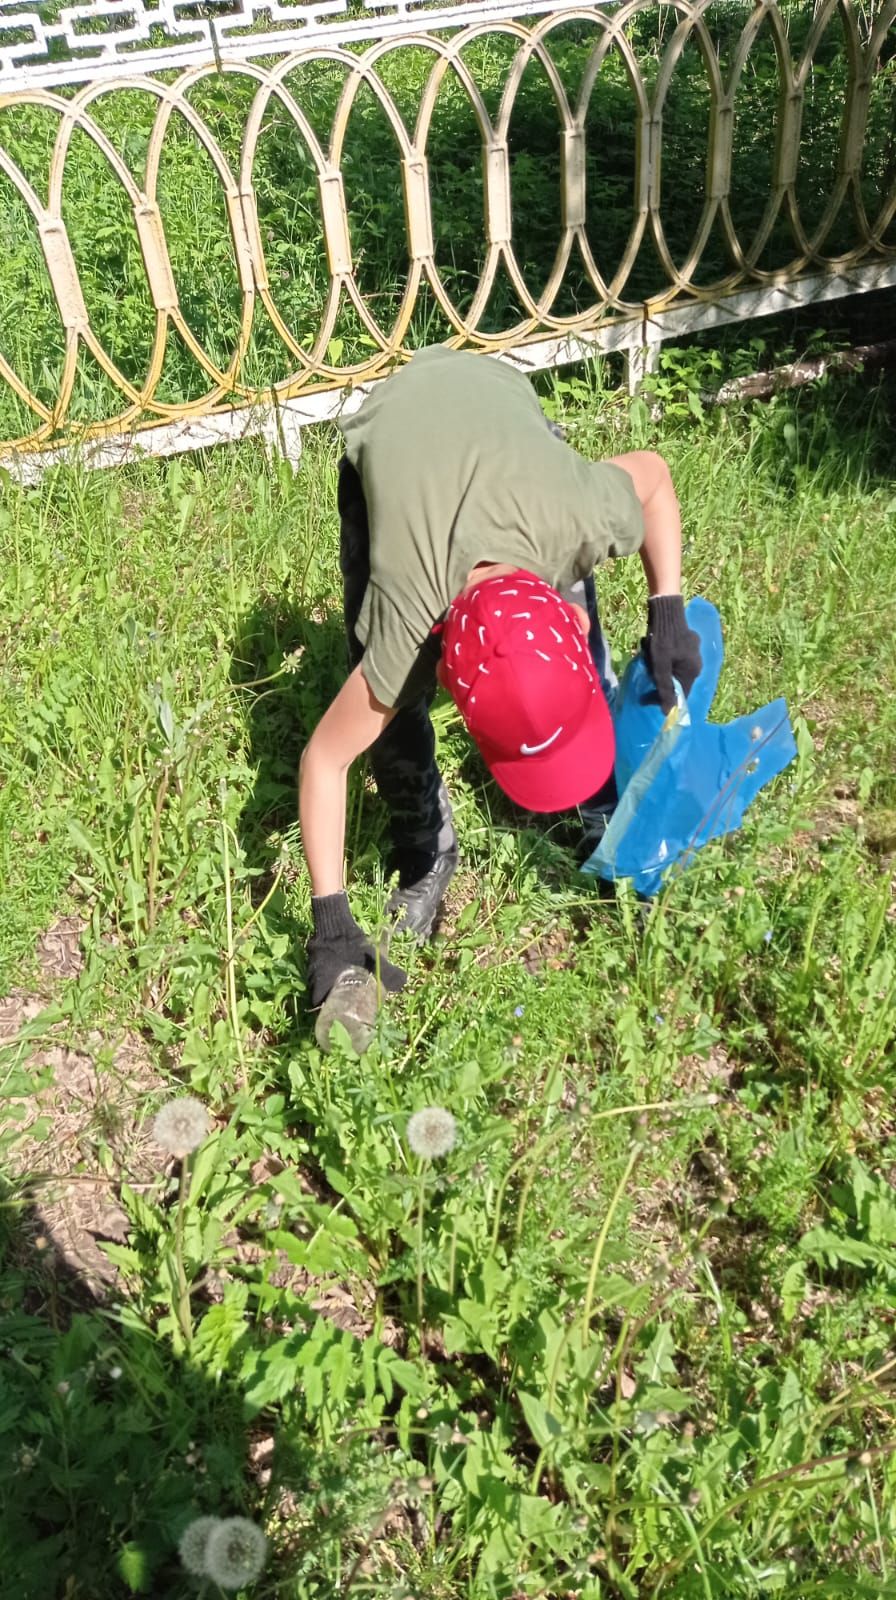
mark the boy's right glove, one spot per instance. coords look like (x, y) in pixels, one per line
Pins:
(337, 943)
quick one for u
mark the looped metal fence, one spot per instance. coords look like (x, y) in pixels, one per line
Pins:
(724, 273)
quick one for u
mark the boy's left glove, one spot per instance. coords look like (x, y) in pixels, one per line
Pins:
(671, 649)
(338, 943)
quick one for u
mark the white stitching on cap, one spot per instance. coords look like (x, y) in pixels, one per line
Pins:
(521, 616)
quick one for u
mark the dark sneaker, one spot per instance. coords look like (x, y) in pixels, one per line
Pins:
(416, 905)
(595, 821)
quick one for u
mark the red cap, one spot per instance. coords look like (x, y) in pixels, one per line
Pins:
(516, 662)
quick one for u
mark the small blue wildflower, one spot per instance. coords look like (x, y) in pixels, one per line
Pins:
(658, 1018)
(767, 936)
(518, 1010)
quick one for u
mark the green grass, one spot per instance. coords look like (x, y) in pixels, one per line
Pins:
(658, 1269)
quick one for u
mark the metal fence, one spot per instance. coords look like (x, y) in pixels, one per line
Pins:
(62, 71)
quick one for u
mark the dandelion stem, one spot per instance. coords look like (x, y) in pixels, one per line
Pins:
(241, 934)
(881, 1551)
(597, 1257)
(693, 1540)
(800, 1469)
(184, 1311)
(421, 1191)
(420, 1034)
(452, 1257)
(364, 1551)
(230, 968)
(558, 1131)
(153, 868)
(256, 683)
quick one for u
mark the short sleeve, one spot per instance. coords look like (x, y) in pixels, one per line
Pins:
(623, 514)
(397, 664)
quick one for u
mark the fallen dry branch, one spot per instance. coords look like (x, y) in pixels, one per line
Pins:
(763, 385)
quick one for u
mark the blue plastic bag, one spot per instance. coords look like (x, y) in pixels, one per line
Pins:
(682, 780)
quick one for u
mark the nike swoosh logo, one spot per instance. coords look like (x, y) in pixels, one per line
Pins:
(535, 749)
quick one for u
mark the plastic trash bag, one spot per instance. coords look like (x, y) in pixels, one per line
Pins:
(682, 780)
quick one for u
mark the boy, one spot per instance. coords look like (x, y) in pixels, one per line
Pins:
(468, 529)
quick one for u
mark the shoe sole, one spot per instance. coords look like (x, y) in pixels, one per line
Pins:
(351, 1002)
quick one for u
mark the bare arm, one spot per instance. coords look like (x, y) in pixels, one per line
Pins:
(661, 550)
(350, 725)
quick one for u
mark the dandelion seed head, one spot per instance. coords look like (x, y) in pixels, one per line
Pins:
(235, 1553)
(432, 1132)
(293, 660)
(194, 1543)
(181, 1125)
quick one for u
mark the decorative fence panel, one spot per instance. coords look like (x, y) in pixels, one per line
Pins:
(199, 204)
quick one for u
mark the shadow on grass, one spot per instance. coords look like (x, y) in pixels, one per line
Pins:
(282, 714)
(281, 717)
(112, 1445)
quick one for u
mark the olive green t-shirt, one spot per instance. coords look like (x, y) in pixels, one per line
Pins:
(458, 466)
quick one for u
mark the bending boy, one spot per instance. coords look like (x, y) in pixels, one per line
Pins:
(469, 536)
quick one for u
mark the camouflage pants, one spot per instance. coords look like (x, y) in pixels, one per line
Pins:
(403, 758)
